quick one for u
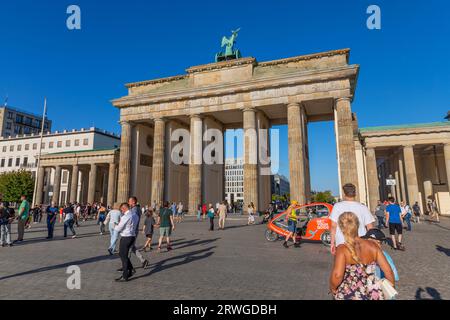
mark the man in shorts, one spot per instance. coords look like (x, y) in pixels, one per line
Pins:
(395, 222)
(166, 225)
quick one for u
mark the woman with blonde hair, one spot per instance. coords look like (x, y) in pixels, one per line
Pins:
(353, 276)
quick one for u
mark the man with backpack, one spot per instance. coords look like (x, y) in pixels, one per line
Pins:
(6, 218)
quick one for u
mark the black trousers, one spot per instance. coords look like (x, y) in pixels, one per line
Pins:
(211, 224)
(124, 249)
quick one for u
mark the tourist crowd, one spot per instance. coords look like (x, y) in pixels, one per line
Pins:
(362, 270)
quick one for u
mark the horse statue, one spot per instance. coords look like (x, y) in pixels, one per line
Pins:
(228, 43)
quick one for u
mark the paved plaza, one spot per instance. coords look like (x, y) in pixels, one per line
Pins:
(237, 263)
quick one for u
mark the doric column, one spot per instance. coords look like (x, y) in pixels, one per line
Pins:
(123, 184)
(250, 159)
(296, 122)
(92, 183)
(158, 161)
(195, 163)
(345, 142)
(40, 186)
(397, 178)
(74, 184)
(372, 178)
(447, 161)
(57, 185)
(401, 170)
(111, 184)
(411, 175)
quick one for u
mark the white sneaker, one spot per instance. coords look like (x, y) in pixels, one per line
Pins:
(73, 237)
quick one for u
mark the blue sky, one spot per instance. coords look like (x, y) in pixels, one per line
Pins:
(404, 77)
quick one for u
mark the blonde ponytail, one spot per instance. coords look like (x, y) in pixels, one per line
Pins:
(349, 225)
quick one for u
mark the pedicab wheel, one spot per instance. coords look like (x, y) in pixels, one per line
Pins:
(326, 238)
(271, 236)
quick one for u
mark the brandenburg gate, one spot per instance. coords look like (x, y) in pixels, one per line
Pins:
(230, 94)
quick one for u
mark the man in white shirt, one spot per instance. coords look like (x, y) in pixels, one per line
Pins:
(349, 204)
(127, 230)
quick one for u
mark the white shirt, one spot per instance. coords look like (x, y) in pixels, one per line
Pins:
(361, 211)
(127, 225)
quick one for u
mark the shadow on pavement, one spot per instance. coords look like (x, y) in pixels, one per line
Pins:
(444, 250)
(56, 238)
(194, 242)
(185, 259)
(432, 293)
(59, 266)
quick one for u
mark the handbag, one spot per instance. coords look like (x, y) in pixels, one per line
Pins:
(388, 289)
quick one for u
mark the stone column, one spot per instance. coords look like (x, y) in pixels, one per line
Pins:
(250, 159)
(397, 178)
(195, 163)
(158, 161)
(74, 184)
(296, 121)
(123, 184)
(411, 175)
(40, 185)
(372, 178)
(447, 162)
(57, 185)
(111, 184)
(92, 183)
(401, 170)
(346, 145)
(307, 165)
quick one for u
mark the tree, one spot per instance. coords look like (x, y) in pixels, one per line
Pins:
(322, 196)
(16, 183)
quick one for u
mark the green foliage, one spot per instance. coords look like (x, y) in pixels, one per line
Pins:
(16, 183)
(277, 197)
(322, 196)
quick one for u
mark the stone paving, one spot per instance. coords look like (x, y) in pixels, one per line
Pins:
(237, 263)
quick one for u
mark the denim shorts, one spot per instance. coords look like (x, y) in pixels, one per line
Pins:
(292, 226)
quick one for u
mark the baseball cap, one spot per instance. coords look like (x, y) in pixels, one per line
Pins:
(375, 234)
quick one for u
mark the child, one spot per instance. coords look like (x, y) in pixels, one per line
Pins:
(378, 236)
(148, 229)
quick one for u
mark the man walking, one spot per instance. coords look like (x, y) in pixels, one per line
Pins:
(113, 219)
(6, 218)
(166, 226)
(24, 211)
(69, 220)
(136, 210)
(127, 230)
(349, 204)
(395, 222)
(417, 212)
(222, 215)
(52, 214)
(380, 214)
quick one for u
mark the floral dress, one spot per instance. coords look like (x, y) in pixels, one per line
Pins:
(360, 283)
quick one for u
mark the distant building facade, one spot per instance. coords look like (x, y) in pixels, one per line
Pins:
(21, 152)
(280, 185)
(234, 180)
(15, 122)
(408, 162)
